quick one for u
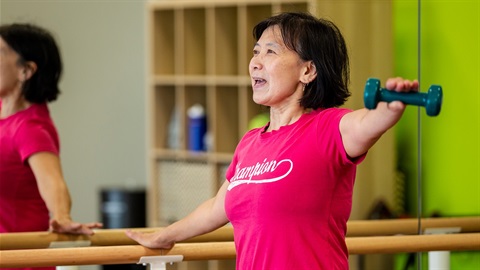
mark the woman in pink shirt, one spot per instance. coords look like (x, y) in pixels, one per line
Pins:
(288, 192)
(33, 192)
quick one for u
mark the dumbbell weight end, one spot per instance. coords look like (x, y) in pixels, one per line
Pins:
(433, 103)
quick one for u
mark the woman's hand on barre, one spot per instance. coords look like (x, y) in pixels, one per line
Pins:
(150, 240)
(69, 226)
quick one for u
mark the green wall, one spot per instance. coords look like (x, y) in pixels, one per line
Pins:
(449, 143)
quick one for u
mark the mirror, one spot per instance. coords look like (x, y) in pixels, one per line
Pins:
(439, 157)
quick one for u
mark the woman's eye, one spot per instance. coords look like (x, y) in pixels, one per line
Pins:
(270, 51)
(255, 52)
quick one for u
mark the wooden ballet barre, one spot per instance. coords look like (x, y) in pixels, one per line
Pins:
(226, 250)
(409, 226)
(102, 237)
(116, 237)
(111, 255)
(413, 243)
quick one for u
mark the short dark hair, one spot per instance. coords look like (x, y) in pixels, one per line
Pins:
(320, 41)
(33, 43)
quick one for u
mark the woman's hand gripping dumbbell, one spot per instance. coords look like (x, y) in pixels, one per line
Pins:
(432, 100)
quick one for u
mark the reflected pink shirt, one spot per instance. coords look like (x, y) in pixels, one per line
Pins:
(25, 133)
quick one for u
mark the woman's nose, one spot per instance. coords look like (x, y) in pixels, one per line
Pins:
(254, 63)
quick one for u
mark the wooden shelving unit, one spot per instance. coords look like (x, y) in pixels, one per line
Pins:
(198, 53)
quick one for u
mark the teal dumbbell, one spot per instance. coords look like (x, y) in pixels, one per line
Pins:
(432, 100)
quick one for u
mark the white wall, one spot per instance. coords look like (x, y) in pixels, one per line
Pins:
(100, 114)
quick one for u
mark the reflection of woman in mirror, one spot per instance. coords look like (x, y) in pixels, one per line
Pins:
(289, 187)
(33, 193)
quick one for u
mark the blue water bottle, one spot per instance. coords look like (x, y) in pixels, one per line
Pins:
(197, 128)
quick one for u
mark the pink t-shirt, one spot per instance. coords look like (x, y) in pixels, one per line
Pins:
(25, 133)
(290, 195)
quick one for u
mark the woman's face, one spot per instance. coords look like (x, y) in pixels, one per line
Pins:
(275, 71)
(10, 71)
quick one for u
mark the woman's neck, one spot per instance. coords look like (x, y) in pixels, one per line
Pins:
(13, 104)
(285, 117)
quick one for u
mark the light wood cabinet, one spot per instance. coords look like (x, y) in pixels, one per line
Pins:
(198, 53)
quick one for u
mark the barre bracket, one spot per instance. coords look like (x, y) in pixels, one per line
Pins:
(160, 262)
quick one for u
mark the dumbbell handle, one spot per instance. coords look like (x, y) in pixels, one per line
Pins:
(413, 98)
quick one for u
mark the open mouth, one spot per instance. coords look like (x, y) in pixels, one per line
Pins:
(258, 81)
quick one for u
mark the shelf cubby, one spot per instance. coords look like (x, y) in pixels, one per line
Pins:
(163, 42)
(225, 41)
(164, 98)
(194, 42)
(226, 124)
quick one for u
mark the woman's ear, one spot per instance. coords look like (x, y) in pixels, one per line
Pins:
(310, 72)
(29, 69)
